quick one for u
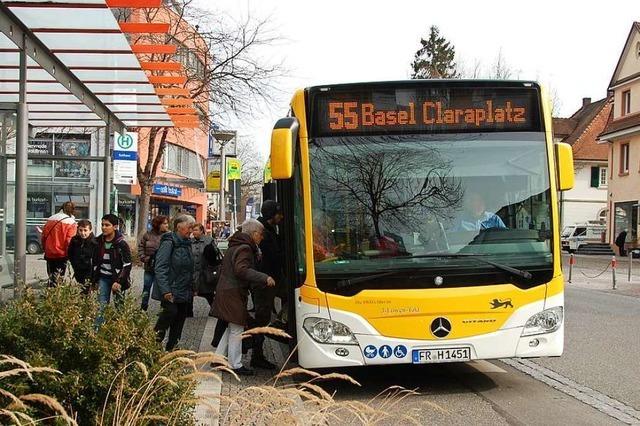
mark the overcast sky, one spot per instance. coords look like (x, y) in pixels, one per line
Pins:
(570, 45)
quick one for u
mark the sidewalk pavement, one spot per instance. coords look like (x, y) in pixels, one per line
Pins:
(210, 414)
(595, 273)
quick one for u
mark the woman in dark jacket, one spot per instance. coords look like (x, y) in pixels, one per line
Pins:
(147, 248)
(204, 258)
(174, 280)
(237, 276)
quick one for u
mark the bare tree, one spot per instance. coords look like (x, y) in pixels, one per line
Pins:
(388, 184)
(226, 73)
(252, 172)
(501, 70)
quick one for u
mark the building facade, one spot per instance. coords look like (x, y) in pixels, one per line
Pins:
(622, 137)
(180, 180)
(587, 201)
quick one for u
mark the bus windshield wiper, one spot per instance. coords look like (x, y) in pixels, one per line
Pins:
(357, 280)
(479, 257)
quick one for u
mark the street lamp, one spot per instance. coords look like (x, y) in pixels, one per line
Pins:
(223, 138)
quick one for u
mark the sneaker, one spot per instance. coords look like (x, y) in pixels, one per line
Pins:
(262, 363)
(243, 371)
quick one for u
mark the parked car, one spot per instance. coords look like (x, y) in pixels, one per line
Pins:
(34, 234)
(574, 236)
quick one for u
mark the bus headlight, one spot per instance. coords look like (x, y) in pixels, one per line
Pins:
(326, 331)
(543, 322)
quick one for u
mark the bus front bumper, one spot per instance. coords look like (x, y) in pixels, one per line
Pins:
(380, 350)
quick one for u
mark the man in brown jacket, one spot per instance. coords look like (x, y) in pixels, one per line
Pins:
(237, 276)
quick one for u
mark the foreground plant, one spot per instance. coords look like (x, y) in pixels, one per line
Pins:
(57, 330)
(21, 408)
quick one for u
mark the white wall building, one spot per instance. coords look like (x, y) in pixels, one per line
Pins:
(587, 201)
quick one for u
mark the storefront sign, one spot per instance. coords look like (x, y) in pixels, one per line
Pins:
(166, 190)
(125, 158)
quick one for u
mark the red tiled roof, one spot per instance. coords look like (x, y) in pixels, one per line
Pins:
(562, 127)
(586, 146)
(581, 130)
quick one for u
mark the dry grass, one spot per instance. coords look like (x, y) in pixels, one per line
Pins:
(22, 409)
(303, 403)
(307, 403)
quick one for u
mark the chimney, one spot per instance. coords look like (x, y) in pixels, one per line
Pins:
(585, 102)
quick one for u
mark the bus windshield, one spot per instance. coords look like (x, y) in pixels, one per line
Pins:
(392, 202)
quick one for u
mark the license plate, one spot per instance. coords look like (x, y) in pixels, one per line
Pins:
(425, 356)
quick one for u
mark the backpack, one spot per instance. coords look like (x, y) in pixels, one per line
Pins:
(211, 265)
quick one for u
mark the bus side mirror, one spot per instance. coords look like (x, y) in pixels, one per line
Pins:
(283, 136)
(564, 161)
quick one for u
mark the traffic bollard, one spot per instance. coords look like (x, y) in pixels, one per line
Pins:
(613, 271)
(630, 264)
(572, 261)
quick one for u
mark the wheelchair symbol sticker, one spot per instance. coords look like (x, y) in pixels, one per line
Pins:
(400, 351)
(385, 351)
(370, 351)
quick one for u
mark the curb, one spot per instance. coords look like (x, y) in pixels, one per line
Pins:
(208, 415)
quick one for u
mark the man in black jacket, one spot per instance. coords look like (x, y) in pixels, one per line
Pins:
(271, 263)
(111, 264)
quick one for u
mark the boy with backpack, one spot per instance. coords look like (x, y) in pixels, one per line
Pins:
(81, 252)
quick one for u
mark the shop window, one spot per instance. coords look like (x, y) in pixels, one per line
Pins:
(626, 217)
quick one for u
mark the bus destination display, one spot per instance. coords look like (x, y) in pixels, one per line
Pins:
(425, 111)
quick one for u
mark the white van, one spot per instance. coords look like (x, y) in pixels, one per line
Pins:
(574, 236)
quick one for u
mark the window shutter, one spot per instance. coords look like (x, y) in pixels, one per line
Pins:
(595, 177)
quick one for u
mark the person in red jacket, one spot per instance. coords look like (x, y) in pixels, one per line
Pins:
(56, 236)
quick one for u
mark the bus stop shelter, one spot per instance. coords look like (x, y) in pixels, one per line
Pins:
(70, 64)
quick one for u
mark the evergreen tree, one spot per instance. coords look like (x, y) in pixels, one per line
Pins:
(435, 58)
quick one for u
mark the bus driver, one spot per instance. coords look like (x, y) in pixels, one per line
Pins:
(476, 217)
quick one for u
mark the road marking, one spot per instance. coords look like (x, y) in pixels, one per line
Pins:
(601, 402)
(483, 366)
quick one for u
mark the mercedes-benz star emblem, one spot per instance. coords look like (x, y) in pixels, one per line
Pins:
(440, 327)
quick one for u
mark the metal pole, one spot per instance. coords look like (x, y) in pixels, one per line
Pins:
(223, 180)
(3, 185)
(572, 260)
(20, 208)
(630, 264)
(106, 183)
(613, 271)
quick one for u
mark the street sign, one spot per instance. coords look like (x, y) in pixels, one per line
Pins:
(125, 158)
(213, 174)
(125, 172)
(234, 169)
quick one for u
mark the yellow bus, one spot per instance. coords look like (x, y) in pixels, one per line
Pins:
(421, 222)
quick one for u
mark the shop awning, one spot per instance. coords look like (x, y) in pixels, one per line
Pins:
(87, 40)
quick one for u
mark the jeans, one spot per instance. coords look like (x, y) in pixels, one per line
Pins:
(171, 317)
(56, 269)
(231, 345)
(149, 280)
(104, 297)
